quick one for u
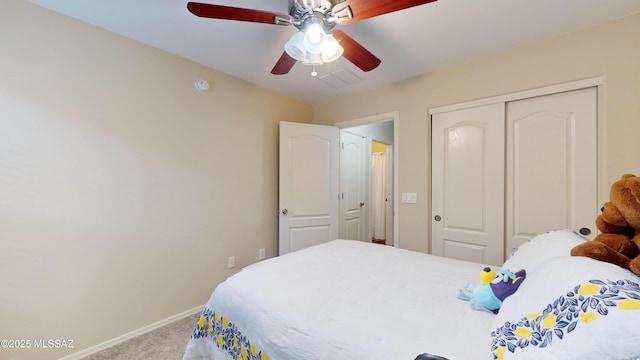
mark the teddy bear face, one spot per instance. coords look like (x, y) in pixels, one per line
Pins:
(625, 203)
(611, 221)
(612, 216)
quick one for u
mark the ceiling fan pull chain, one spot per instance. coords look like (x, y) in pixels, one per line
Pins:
(314, 73)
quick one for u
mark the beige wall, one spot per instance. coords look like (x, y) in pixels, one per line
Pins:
(610, 50)
(123, 190)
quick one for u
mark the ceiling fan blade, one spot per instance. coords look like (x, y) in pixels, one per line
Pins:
(365, 9)
(356, 53)
(284, 64)
(234, 13)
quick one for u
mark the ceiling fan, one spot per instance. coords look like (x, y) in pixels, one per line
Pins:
(316, 42)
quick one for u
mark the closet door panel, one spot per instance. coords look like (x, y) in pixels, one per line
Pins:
(551, 165)
(468, 184)
(540, 171)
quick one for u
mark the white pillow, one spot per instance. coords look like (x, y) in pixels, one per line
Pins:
(545, 246)
(571, 308)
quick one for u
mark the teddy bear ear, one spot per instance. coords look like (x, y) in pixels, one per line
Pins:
(633, 183)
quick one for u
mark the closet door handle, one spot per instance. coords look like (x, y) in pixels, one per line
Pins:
(585, 231)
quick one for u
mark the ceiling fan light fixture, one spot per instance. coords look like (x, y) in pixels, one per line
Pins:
(295, 46)
(331, 50)
(314, 38)
(313, 59)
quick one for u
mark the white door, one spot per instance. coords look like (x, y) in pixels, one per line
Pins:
(309, 180)
(354, 203)
(551, 165)
(468, 184)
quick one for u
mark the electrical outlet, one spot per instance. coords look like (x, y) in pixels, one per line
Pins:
(231, 263)
(262, 254)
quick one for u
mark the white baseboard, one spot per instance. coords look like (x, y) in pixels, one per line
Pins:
(130, 335)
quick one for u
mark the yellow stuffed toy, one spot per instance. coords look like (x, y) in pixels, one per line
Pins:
(619, 240)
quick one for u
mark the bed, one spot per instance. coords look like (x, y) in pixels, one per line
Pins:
(353, 300)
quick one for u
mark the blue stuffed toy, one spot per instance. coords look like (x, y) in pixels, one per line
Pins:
(494, 288)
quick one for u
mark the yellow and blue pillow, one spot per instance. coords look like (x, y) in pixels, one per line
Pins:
(571, 308)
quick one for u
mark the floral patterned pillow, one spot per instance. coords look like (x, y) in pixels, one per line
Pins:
(571, 308)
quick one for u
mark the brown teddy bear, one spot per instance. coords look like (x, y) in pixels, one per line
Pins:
(619, 240)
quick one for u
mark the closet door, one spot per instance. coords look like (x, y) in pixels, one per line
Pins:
(468, 184)
(551, 165)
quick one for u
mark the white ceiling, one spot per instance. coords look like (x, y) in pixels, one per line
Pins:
(410, 42)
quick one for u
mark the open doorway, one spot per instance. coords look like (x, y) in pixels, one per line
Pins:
(380, 213)
(380, 181)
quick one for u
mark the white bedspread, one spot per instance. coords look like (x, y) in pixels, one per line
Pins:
(344, 300)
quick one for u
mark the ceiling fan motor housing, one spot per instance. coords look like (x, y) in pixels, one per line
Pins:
(298, 8)
(316, 12)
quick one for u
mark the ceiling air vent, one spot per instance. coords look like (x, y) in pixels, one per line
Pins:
(339, 78)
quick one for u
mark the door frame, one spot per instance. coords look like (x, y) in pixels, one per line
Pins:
(598, 82)
(395, 117)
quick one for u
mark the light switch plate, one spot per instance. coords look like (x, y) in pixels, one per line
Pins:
(409, 198)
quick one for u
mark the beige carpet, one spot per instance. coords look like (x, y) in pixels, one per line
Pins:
(165, 343)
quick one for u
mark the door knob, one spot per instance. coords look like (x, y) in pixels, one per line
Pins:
(285, 211)
(585, 231)
(437, 218)
(361, 204)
